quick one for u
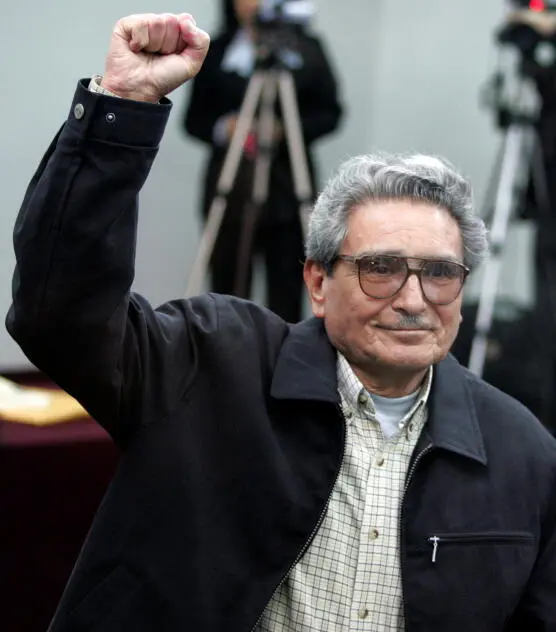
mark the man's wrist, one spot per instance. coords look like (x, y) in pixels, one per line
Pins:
(99, 85)
(123, 92)
(117, 120)
(95, 85)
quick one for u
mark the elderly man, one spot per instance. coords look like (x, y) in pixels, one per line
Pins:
(344, 473)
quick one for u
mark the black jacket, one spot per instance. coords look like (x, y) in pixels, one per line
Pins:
(231, 431)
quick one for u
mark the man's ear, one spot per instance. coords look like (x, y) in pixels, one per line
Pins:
(315, 277)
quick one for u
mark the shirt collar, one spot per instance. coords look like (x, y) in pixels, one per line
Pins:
(352, 391)
(306, 370)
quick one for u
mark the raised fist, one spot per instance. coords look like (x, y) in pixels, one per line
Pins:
(151, 55)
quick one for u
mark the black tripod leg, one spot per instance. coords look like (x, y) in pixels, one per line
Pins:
(281, 84)
(490, 195)
(225, 184)
(512, 163)
(296, 147)
(261, 182)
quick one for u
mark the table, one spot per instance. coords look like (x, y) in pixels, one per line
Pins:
(51, 482)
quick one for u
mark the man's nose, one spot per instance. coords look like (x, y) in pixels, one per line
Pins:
(410, 298)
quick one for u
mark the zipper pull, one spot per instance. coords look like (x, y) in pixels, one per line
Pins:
(434, 541)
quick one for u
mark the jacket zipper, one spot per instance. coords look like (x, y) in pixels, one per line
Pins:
(493, 537)
(410, 474)
(313, 532)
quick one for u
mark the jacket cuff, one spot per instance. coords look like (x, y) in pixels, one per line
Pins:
(121, 121)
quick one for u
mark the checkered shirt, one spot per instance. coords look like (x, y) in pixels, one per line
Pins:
(350, 578)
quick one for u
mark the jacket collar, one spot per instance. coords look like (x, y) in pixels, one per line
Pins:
(306, 369)
(306, 366)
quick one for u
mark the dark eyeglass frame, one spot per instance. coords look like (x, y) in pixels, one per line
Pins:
(418, 271)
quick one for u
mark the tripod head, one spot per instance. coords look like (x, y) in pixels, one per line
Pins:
(529, 34)
(279, 25)
(530, 27)
(277, 14)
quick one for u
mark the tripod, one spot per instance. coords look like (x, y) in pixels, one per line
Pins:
(521, 163)
(269, 82)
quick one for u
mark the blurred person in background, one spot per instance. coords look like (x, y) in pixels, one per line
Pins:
(537, 45)
(211, 116)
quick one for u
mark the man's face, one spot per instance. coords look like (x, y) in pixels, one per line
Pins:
(405, 332)
(246, 10)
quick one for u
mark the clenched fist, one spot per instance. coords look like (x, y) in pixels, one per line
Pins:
(151, 55)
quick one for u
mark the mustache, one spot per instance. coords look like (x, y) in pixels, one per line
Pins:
(411, 321)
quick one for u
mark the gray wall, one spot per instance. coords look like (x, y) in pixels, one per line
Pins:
(410, 74)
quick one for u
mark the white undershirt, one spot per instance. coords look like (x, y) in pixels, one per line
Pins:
(391, 410)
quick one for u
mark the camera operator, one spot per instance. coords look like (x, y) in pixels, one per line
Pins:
(529, 30)
(534, 33)
(211, 116)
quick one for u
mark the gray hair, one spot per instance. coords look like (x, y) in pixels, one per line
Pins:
(384, 177)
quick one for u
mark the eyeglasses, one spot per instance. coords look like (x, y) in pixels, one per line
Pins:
(383, 276)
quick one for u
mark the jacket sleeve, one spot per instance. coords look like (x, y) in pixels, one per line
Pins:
(72, 312)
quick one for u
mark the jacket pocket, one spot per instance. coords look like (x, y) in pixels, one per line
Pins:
(104, 602)
(467, 580)
(440, 540)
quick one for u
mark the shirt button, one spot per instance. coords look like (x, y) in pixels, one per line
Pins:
(373, 535)
(110, 117)
(78, 111)
(348, 414)
(363, 399)
(411, 427)
(380, 461)
(363, 613)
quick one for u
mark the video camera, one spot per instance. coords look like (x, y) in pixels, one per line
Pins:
(278, 24)
(535, 5)
(274, 14)
(530, 24)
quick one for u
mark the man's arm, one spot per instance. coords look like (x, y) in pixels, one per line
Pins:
(74, 239)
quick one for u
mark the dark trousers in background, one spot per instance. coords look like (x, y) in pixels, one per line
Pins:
(278, 239)
(545, 289)
(281, 246)
(544, 217)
